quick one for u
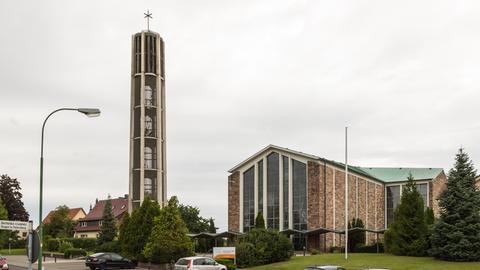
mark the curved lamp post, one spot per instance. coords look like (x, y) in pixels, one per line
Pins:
(90, 112)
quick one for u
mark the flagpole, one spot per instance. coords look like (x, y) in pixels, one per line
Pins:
(346, 193)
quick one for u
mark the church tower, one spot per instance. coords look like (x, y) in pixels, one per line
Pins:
(147, 120)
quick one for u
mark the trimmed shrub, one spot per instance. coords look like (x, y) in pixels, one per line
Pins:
(370, 248)
(228, 263)
(337, 250)
(261, 246)
(74, 252)
(84, 243)
(113, 246)
(64, 245)
(51, 244)
(314, 251)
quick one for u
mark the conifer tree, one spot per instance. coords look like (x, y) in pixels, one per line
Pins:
(136, 229)
(109, 228)
(168, 240)
(356, 237)
(259, 221)
(409, 231)
(456, 235)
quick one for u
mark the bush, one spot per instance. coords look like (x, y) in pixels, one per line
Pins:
(64, 245)
(113, 246)
(228, 263)
(84, 243)
(51, 244)
(314, 251)
(337, 250)
(370, 248)
(261, 246)
(74, 252)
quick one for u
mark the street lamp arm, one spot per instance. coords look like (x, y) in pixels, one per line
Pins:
(90, 112)
(45, 121)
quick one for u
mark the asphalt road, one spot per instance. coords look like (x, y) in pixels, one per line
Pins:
(20, 263)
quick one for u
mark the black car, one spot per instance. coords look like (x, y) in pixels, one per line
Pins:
(106, 260)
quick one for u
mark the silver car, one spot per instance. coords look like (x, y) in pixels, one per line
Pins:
(324, 267)
(198, 263)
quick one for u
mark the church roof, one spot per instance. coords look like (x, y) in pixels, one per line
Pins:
(401, 174)
(382, 174)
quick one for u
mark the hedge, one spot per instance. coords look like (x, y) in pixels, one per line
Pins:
(74, 252)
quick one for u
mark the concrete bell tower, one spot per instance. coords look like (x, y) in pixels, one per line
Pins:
(147, 120)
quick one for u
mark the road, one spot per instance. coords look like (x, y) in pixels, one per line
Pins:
(20, 263)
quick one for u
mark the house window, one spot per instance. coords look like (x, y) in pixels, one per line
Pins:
(83, 224)
(148, 187)
(100, 223)
(83, 236)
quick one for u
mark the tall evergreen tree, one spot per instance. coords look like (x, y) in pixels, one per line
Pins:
(168, 241)
(12, 198)
(356, 237)
(136, 229)
(456, 235)
(109, 228)
(211, 226)
(409, 231)
(259, 221)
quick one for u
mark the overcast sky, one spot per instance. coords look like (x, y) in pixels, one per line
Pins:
(403, 75)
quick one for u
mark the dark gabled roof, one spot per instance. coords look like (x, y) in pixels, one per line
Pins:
(119, 207)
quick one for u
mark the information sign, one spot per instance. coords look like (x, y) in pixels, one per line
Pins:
(13, 225)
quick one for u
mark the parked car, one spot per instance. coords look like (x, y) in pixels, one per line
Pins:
(324, 267)
(3, 263)
(198, 263)
(106, 260)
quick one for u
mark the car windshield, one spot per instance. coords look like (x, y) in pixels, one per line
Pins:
(97, 254)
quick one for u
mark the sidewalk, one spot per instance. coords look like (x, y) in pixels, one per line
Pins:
(21, 261)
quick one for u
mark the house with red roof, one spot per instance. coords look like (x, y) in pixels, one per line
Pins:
(73, 213)
(91, 225)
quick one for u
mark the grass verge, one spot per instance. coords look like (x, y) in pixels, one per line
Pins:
(361, 261)
(13, 251)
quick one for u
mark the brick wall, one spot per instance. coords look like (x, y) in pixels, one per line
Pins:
(234, 202)
(436, 188)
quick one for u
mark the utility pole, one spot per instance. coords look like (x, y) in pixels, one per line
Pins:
(346, 193)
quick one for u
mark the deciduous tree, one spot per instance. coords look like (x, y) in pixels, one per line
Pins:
(10, 193)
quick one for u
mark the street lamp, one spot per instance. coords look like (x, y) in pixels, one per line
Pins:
(90, 112)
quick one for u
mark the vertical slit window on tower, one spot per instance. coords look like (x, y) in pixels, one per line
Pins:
(285, 192)
(273, 192)
(248, 200)
(299, 211)
(260, 188)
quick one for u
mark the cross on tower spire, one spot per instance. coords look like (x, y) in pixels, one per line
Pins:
(148, 16)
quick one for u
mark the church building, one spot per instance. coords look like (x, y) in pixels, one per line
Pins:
(300, 192)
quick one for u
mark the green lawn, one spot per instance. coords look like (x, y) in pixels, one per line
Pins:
(361, 261)
(16, 251)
